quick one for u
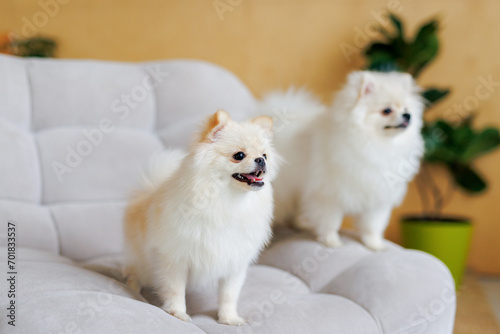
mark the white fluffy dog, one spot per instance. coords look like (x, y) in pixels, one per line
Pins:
(354, 158)
(207, 216)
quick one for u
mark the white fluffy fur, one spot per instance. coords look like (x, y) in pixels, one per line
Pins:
(203, 227)
(343, 161)
(161, 166)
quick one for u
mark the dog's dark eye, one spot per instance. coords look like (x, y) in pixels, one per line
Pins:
(265, 156)
(239, 156)
(386, 111)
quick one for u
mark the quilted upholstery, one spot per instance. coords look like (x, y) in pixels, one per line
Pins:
(74, 135)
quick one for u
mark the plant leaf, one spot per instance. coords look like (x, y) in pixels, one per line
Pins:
(399, 43)
(424, 36)
(441, 131)
(468, 179)
(424, 48)
(423, 56)
(438, 138)
(440, 154)
(434, 95)
(381, 57)
(484, 142)
(462, 137)
(396, 22)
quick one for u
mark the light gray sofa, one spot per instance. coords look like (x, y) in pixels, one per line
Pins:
(74, 135)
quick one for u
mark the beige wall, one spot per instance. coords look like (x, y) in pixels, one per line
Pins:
(277, 43)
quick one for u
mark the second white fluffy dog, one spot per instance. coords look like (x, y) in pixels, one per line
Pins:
(355, 158)
(207, 218)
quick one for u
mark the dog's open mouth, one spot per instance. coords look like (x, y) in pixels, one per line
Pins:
(252, 179)
(403, 125)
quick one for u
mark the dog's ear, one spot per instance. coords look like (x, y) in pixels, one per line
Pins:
(408, 81)
(266, 123)
(362, 81)
(214, 124)
(366, 85)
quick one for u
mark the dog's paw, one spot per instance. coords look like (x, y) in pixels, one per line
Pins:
(331, 240)
(232, 321)
(374, 242)
(179, 315)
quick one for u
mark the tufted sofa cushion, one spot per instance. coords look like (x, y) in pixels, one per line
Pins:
(74, 135)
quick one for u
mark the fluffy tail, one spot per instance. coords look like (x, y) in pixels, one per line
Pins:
(161, 167)
(136, 266)
(291, 110)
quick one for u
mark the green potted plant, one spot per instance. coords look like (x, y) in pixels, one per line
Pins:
(454, 144)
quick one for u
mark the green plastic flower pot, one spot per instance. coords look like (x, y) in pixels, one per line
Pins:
(448, 239)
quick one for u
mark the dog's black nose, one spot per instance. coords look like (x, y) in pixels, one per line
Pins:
(261, 162)
(406, 117)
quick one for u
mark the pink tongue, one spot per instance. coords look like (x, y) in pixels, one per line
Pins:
(252, 177)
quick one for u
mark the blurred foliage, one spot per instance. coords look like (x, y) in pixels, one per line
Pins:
(29, 47)
(455, 146)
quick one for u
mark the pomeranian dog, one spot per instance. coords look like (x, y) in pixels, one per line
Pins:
(354, 158)
(205, 216)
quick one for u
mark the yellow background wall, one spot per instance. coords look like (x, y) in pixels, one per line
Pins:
(276, 43)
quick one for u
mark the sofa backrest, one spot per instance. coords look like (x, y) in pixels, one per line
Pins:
(75, 134)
